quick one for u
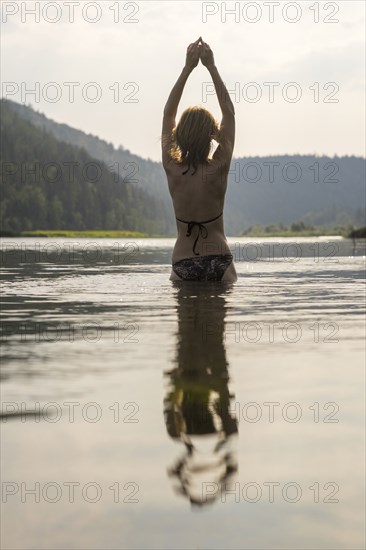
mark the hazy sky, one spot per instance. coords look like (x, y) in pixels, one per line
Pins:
(138, 49)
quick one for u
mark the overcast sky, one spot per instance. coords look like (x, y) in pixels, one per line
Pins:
(144, 52)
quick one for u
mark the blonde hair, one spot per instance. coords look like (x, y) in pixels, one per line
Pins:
(192, 136)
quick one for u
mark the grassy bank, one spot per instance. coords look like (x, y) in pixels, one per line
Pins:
(292, 234)
(87, 234)
(299, 229)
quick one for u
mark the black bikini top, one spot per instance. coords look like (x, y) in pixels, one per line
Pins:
(202, 230)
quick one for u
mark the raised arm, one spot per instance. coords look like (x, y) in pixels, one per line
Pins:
(227, 127)
(171, 106)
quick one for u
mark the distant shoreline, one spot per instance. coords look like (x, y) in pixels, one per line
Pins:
(263, 234)
(139, 235)
(82, 234)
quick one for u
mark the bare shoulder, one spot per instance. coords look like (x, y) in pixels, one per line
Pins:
(166, 143)
(215, 172)
(171, 167)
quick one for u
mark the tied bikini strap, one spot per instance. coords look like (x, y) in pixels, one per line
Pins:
(202, 230)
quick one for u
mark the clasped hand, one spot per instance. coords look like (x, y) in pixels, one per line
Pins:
(199, 50)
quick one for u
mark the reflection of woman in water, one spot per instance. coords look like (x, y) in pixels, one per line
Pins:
(197, 404)
(197, 183)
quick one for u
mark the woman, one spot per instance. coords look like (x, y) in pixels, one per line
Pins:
(197, 183)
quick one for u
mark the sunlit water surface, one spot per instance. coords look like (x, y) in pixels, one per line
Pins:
(142, 414)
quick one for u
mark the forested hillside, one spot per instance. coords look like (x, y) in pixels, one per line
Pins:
(261, 190)
(51, 184)
(143, 173)
(285, 189)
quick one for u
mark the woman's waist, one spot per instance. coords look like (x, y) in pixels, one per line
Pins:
(185, 247)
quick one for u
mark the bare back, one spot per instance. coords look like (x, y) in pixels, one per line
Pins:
(198, 197)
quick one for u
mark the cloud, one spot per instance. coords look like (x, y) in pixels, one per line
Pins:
(343, 65)
(152, 51)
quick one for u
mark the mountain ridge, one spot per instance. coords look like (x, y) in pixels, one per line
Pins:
(261, 190)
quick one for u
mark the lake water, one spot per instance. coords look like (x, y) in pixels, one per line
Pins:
(142, 414)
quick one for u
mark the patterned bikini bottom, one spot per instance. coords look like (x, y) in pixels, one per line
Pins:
(203, 268)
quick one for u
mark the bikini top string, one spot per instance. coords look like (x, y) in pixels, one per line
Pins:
(202, 230)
